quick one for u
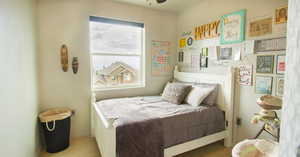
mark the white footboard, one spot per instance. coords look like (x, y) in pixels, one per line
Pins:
(105, 135)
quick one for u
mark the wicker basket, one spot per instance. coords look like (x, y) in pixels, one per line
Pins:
(269, 102)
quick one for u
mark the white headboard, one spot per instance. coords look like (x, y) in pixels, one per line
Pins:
(225, 81)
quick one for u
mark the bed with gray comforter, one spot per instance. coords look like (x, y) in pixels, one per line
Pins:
(145, 126)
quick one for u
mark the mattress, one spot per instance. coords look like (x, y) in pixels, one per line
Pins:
(180, 123)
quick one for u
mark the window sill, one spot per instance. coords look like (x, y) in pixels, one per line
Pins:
(117, 88)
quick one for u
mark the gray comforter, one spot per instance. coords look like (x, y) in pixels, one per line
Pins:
(147, 125)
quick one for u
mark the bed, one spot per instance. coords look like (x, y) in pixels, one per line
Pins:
(105, 125)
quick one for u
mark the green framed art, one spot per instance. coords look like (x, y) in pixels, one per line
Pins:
(265, 64)
(233, 27)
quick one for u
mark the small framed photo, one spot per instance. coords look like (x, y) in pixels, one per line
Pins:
(204, 58)
(180, 56)
(280, 86)
(225, 54)
(281, 15)
(246, 73)
(263, 84)
(265, 64)
(280, 66)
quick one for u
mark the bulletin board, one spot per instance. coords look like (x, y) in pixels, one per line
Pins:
(161, 58)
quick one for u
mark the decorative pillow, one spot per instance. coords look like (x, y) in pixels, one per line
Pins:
(175, 92)
(197, 95)
(211, 99)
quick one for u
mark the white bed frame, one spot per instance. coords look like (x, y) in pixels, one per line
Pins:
(105, 134)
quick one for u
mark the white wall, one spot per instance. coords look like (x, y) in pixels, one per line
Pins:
(66, 22)
(18, 87)
(210, 10)
(290, 135)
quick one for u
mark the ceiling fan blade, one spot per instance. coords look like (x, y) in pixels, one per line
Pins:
(161, 1)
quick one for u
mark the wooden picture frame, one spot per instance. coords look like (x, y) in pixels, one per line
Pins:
(261, 27)
(232, 33)
(280, 64)
(263, 84)
(265, 64)
(281, 15)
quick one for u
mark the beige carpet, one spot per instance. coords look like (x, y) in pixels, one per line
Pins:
(87, 147)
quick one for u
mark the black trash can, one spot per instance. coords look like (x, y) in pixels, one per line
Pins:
(56, 124)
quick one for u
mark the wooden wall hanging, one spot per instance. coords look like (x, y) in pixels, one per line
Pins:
(64, 57)
(261, 27)
(75, 65)
(207, 31)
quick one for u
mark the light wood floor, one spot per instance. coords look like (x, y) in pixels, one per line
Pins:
(86, 147)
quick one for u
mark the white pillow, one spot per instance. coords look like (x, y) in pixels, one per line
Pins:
(197, 95)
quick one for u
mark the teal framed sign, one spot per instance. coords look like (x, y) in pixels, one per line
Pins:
(233, 27)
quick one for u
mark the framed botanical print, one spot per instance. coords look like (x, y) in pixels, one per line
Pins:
(265, 64)
(233, 27)
(263, 84)
(280, 86)
(280, 66)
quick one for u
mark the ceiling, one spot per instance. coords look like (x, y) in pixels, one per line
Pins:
(170, 5)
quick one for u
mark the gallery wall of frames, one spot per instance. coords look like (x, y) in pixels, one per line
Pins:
(242, 43)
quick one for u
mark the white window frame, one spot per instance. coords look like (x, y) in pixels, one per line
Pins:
(142, 73)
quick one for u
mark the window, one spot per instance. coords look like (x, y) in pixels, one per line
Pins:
(116, 49)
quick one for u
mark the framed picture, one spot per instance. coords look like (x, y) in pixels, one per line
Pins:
(233, 27)
(280, 66)
(263, 84)
(246, 72)
(225, 54)
(189, 41)
(265, 64)
(280, 86)
(180, 56)
(161, 58)
(261, 27)
(275, 44)
(196, 62)
(204, 58)
(281, 15)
